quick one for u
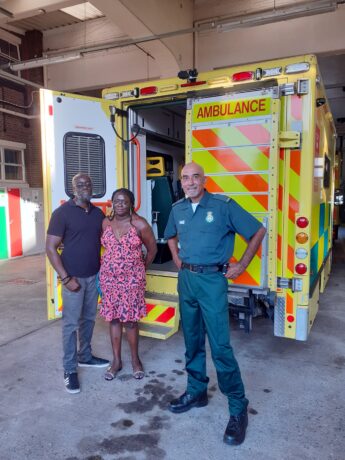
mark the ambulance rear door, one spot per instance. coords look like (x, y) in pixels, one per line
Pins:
(77, 136)
(234, 137)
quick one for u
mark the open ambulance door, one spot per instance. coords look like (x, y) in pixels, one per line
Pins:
(234, 137)
(77, 136)
(162, 319)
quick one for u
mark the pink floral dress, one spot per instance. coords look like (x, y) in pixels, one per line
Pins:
(122, 277)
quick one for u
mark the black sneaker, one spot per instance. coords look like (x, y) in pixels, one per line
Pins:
(236, 429)
(94, 362)
(71, 382)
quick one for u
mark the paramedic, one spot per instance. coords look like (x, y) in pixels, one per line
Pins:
(200, 233)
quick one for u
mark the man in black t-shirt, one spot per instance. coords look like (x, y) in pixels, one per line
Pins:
(78, 225)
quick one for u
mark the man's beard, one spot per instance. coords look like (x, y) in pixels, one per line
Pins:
(84, 196)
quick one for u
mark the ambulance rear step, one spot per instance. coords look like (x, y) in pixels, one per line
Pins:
(163, 316)
(251, 303)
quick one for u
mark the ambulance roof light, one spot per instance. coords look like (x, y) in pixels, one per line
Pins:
(243, 76)
(112, 96)
(272, 72)
(193, 83)
(297, 68)
(148, 90)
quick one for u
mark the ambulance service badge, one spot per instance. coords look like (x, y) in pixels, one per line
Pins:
(209, 217)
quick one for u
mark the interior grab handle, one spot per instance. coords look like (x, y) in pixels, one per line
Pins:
(138, 184)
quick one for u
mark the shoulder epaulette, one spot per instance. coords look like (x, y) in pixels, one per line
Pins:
(224, 198)
(179, 201)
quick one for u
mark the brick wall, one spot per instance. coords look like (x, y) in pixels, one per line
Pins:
(16, 129)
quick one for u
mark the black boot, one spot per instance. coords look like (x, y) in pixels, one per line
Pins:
(236, 429)
(187, 401)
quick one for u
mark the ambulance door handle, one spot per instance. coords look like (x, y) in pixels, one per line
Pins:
(138, 187)
(289, 139)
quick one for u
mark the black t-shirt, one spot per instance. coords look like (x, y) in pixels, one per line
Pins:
(81, 233)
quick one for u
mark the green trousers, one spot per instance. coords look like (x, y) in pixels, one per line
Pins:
(204, 309)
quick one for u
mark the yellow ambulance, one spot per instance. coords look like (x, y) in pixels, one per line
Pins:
(264, 134)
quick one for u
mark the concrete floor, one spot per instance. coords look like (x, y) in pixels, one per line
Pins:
(296, 390)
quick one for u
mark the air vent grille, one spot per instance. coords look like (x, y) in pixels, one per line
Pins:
(85, 153)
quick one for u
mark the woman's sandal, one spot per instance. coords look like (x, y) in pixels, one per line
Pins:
(138, 375)
(110, 375)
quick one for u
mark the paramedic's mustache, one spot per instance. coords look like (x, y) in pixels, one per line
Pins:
(191, 190)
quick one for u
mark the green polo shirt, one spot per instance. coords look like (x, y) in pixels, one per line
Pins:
(207, 236)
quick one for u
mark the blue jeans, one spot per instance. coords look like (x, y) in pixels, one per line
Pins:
(79, 313)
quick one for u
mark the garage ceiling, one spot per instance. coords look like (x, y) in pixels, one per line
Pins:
(45, 15)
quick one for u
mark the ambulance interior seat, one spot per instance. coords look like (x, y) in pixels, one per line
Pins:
(179, 191)
(162, 200)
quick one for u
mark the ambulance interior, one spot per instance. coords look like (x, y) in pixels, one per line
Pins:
(162, 140)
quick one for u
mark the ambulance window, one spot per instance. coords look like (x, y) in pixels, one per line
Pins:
(84, 153)
(327, 172)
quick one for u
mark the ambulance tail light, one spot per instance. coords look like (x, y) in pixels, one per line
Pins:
(301, 269)
(290, 319)
(302, 237)
(301, 253)
(242, 76)
(148, 90)
(302, 222)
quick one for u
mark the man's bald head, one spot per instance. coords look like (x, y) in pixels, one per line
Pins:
(193, 181)
(193, 168)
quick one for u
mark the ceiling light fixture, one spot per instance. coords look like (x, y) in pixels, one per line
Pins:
(277, 14)
(83, 11)
(39, 62)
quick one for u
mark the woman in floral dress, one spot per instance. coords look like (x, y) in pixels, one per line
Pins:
(122, 276)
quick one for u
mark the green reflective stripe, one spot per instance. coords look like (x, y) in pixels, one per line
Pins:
(3, 229)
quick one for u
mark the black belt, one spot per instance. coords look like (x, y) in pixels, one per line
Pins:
(205, 268)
